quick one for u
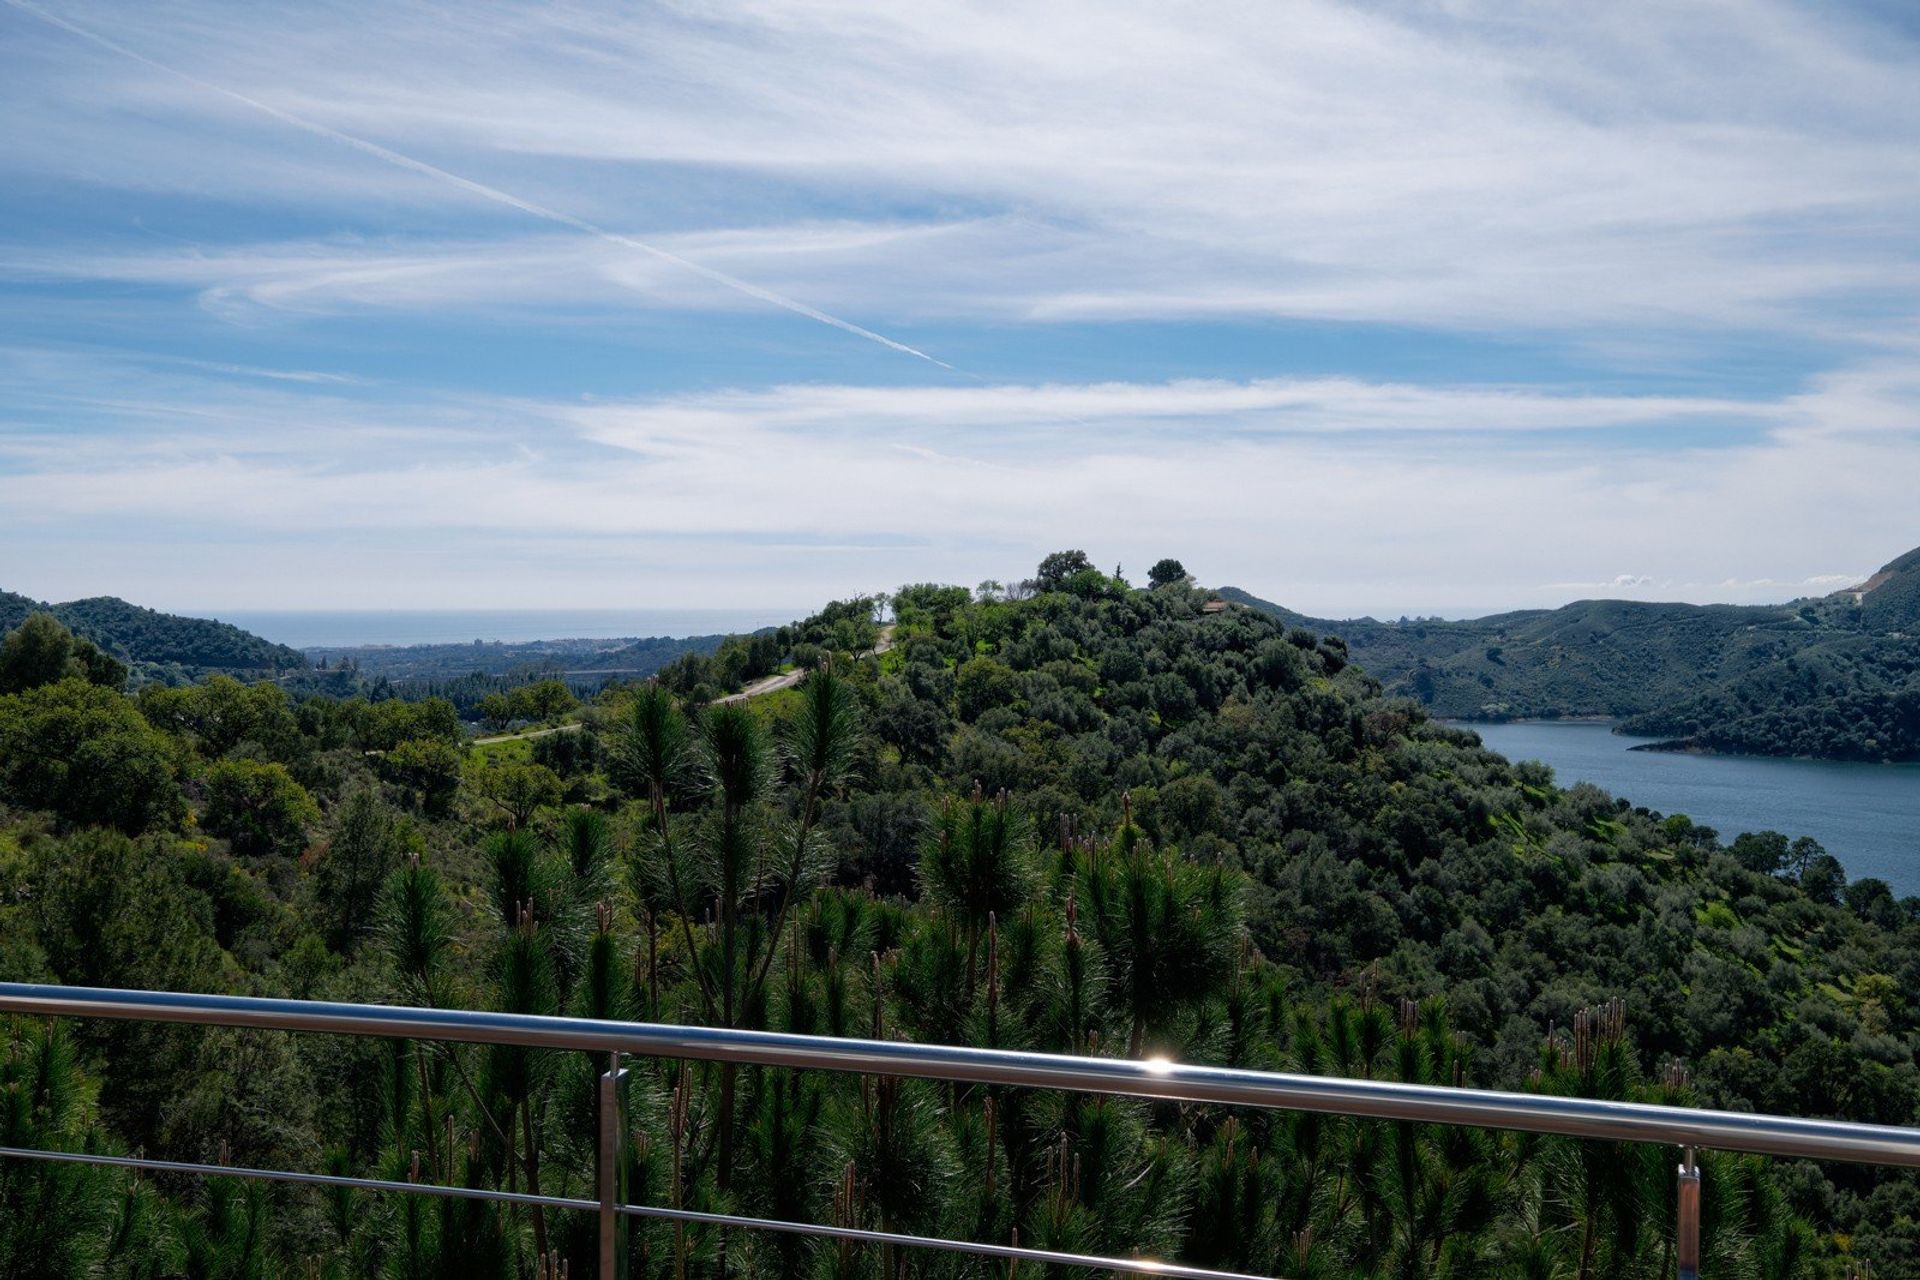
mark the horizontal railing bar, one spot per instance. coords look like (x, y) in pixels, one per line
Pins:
(303, 1179)
(1432, 1104)
(1017, 1253)
(1020, 1253)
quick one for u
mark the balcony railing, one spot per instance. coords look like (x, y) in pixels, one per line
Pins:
(1685, 1128)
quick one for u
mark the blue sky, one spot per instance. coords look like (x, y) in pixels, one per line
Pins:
(1367, 307)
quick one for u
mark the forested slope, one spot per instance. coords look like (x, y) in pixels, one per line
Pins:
(1837, 677)
(1093, 819)
(151, 638)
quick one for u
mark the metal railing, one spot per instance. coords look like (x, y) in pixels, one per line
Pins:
(1685, 1128)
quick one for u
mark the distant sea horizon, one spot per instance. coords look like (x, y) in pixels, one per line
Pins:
(352, 628)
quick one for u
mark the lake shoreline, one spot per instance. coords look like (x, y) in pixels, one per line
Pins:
(1665, 746)
(1473, 720)
(1866, 814)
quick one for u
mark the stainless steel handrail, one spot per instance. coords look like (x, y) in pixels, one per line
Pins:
(1434, 1104)
(1683, 1127)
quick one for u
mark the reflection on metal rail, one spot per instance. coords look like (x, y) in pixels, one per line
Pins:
(1682, 1127)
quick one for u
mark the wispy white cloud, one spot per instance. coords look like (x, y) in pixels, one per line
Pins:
(472, 187)
(1487, 165)
(798, 493)
(355, 274)
(1311, 406)
(1650, 181)
(163, 360)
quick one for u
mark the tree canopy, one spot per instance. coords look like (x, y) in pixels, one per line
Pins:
(1081, 818)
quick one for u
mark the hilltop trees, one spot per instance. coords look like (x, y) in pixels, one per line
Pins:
(1056, 569)
(1166, 573)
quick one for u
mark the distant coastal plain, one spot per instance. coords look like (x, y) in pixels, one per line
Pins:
(348, 628)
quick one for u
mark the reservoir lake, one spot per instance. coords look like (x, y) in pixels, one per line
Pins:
(1867, 815)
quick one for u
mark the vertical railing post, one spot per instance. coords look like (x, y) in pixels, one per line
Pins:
(1686, 1226)
(612, 1228)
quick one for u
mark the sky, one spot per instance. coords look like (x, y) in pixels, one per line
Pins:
(1369, 308)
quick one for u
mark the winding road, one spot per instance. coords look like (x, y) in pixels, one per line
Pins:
(787, 679)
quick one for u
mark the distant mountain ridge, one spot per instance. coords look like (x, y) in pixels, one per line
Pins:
(1837, 677)
(147, 637)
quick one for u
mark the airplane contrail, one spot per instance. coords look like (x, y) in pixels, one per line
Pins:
(481, 189)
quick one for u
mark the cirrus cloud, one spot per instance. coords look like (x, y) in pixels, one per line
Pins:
(1367, 306)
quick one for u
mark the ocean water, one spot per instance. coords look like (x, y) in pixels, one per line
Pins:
(1867, 815)
(350, 627)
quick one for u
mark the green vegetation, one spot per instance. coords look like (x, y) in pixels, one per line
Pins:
(259, 808)
(468, 674)
(85, 754)
(543, 701)
(41, 651)
(110, 642)
(1837, 678)
(162, 646)
(1069, 816)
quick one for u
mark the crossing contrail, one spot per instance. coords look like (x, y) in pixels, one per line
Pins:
(481, 189)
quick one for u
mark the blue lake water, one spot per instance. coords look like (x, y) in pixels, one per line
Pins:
(1867, 815)
(347, 627)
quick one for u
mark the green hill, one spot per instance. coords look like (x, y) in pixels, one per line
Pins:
(149, 638)
(1890, 599)
(1836, 677)
(1089, 819)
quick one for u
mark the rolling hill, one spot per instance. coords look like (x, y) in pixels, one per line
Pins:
(1836, 677)
(1088, 819)
(148, 638)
